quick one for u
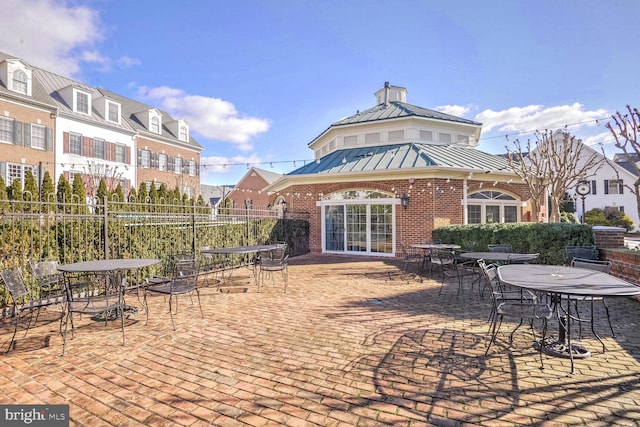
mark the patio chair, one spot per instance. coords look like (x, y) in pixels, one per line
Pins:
(48, 278)
(530, 310)
(210, 267)
(500, 294)
(500, 248)
(271, 261)
(451, 268)
(605, 267)
(412, 256)
(95, 293)
(582, 252)
(184, 281)
(22, 301)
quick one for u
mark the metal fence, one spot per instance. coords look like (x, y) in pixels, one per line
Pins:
(108, 229)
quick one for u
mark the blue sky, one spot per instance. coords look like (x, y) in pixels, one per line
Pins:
(258, 80)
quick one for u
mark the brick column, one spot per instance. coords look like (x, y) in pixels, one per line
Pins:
(608, 237)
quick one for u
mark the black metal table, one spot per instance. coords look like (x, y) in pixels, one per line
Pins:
(117, 266)
(502, 257)
(563, 281)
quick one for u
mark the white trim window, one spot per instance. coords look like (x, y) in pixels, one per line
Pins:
(162, 162)
(20, 82)
(17, 171)
(83, 103)
(192, 168)
(490, 206)
(154, 124)
(6, 129)
(75, 144)
(183, 134)
(145, 158)
(98, 148)
(177, 165)
(120, 153)
(113, 112)
(38, 136)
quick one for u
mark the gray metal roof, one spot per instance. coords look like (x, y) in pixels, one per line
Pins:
(131, 107)
(38, 93)
(403, 156)
(396, 110)
(53, 83)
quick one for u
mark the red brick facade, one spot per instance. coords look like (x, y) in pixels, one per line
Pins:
(433, 202)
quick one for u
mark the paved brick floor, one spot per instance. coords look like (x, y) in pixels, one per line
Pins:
(352, 343)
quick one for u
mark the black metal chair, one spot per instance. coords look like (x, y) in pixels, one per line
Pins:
(271, 261)
(210, 266)
(184, 281)
(605, 267)
(521, 309)
(97, 294)
(48, 278)
(582, 252)
(22, 301)
(500, 294)
(412, 256)
(451, 268)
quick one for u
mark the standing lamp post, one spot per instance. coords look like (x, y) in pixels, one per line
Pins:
(583, 189)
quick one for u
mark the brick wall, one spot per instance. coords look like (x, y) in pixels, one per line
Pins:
(433, 202)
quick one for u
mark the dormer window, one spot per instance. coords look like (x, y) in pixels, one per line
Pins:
(113, 112)
(16, 76)
(183, 134)
(20, 82)
(82, 102)
(155, 124)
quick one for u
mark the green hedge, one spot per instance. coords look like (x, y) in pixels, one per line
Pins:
(548, 240)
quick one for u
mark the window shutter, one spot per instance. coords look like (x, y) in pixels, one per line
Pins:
(170, 164)
(65, 142)
(87, 146)
(49, 139)
(17, 132)
(154, 160)
(606, 186)
(197, 169)
(620, 187)
(3, 170)
(27, 134)
(593, 186)
(139, 157)
(127, 155)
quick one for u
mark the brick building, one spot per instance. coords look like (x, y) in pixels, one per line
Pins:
(392, 173)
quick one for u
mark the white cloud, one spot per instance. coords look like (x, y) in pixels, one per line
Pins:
(539, 117)
(51, 34)
(212, 118)
(128, 62)
(454, 110)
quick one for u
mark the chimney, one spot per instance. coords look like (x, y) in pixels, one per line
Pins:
(386, 94)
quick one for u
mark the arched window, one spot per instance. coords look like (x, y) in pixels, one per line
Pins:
(486, 207)
(155, 124)
(183, 133)
(20, 82)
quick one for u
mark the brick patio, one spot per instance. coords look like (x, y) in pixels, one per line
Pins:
(352, 343)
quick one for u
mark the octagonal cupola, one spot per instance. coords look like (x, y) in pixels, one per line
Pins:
(391, 93)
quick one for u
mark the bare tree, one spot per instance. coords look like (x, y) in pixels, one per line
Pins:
(94, 172)
(556, 162)
(625, 130)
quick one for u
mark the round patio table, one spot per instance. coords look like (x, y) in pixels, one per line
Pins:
(562, 281)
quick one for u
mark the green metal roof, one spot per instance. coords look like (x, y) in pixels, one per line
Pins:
(403, 156)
